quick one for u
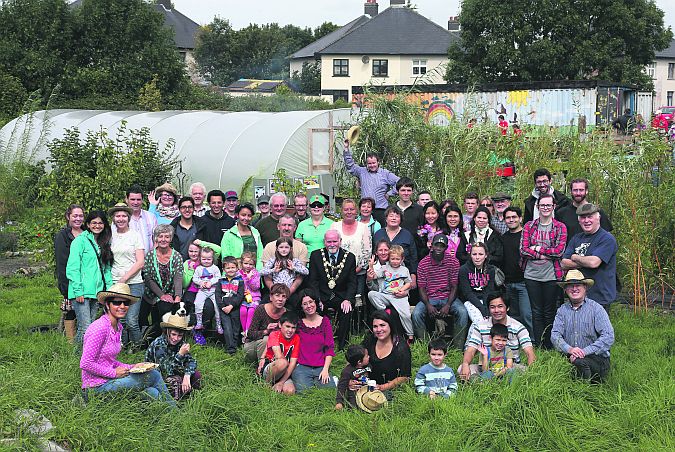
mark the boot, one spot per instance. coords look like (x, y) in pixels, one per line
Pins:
(70, 330)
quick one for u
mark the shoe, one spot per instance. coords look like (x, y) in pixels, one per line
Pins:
(199, 338)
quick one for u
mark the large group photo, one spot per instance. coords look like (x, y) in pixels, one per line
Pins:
(436, 262)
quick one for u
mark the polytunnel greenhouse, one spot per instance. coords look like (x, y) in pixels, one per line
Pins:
(220, 149)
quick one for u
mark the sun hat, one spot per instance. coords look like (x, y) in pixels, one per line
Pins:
(167, 187)
(500, 196)
(118, 290)
(317, 198)
(587, 209)
(177, 322)
(575, 277)
(370, 401)
(353, 134)
(120, 207)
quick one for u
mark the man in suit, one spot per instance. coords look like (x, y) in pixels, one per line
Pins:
(332, 274)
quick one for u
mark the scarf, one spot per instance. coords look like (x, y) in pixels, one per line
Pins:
(168, 212)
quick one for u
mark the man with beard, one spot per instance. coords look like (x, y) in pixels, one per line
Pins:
(217, 222)
(332, 274)
(287, 228)
(593, 251)
(568, 214)
(542, 185)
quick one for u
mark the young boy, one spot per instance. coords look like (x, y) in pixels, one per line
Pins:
(205, 278)
(396, 280)
(498, 358)
(283, 349)
(229, 295)
(357, 369)
(436, 378)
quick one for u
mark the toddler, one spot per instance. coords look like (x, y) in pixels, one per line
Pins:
(189, 266)
(496, 359)
(205, 278)
(436, 378)
(357, 369)
(252, 295)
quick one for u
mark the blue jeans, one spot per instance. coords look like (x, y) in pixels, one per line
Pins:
(305, 377)
(458, 312)
(131, 319)
(519, 299)
(85, 313)
(150, 382)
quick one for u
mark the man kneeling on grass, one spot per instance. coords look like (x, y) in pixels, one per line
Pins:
(283, 349)
(582, 330)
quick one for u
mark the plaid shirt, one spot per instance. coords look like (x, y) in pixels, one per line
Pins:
(557, 237)
(170, 362)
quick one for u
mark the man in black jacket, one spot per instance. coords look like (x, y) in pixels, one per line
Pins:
(215, 219)
(542, 184)
(568, 214)
(332, 274)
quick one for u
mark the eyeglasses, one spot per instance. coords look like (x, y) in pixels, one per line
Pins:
(278, 205)
(166, 195)
(300, 205)
(542, 182)
(545, 206)
(486, 205)
(188, 207)
(120, 302)
(96, 223)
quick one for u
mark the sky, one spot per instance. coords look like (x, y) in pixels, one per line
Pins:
(312, 13)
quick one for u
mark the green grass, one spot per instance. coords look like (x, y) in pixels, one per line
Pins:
(544, 409)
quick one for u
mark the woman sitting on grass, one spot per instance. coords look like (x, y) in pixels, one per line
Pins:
(172, 353)
(390, 360)
(101, 372)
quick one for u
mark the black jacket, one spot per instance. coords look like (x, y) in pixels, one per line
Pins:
(468, 287)
(494, 245)
(199, 223)
(345, 284)
(215, 227)
(560, 201)
(62, 241)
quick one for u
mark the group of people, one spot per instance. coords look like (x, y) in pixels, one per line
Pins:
(285, 285)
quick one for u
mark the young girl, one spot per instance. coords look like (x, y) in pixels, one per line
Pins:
(476, 279)
(283, 268)
(252, 295)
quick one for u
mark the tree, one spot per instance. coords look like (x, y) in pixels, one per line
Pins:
(324, 29)
(557, 40)
(309, 79)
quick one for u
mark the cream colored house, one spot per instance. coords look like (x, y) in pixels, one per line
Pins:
(662, 71)
(395, 47)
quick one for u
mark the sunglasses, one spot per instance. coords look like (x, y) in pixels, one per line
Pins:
(120, 302)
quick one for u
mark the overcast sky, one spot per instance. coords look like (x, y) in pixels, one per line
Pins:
(312, 13)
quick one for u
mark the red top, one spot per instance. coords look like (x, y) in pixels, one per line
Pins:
(289, 348)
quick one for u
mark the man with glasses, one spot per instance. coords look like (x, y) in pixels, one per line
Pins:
(187, 227)
(300, 203)
(268, 227)
(501, 202)
(542, 185)
(514, 279)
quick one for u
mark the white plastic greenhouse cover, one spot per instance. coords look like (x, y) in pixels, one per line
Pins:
(220, 149)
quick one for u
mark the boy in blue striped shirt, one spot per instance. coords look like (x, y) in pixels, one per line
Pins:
(436, 379)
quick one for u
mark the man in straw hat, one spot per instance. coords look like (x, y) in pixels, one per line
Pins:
(377, 183)
(172, 353)
(101, 371)
(582, 330)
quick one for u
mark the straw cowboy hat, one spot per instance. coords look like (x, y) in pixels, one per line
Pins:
(177, 322)
(370, 401)
(353, 134)
(118, 290)
(120, 207)
(168, 188)
(575, 277)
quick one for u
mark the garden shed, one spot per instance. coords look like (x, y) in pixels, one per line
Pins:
(220, 149)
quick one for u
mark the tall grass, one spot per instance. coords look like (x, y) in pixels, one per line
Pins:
(543, 409)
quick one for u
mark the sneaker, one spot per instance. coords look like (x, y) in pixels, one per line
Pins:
(199, 338)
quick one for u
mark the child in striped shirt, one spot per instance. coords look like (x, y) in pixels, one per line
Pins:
(436, 379)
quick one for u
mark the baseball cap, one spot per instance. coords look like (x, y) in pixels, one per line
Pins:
(264, 199)
(317, 199)
(231, 194)
(440, 238)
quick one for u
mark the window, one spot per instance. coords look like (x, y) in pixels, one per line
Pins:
(671, 71)
(650, 69)
(669, 98)
(380, 68)
(341, 68)
(419, 67)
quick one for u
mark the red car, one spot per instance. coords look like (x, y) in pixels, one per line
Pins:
(667, 113)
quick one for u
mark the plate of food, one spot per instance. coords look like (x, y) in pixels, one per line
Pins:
(142, 368)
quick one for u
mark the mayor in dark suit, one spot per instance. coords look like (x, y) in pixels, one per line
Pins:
(332, 273)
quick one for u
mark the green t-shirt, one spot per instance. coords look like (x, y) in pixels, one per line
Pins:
(311, 235)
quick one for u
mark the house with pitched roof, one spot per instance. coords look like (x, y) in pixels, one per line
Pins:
(662, 71)
(397, 46)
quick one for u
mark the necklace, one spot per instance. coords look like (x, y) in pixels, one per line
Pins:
(330, 269)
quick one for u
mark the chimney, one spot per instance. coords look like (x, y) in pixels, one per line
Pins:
(453, 24)
(397, 3)
(370, 8)
(166, 4)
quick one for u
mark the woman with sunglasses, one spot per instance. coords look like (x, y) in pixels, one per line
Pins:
(89, 269)
(101, 371)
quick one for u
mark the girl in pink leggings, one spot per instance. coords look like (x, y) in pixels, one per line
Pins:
(252, 296)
